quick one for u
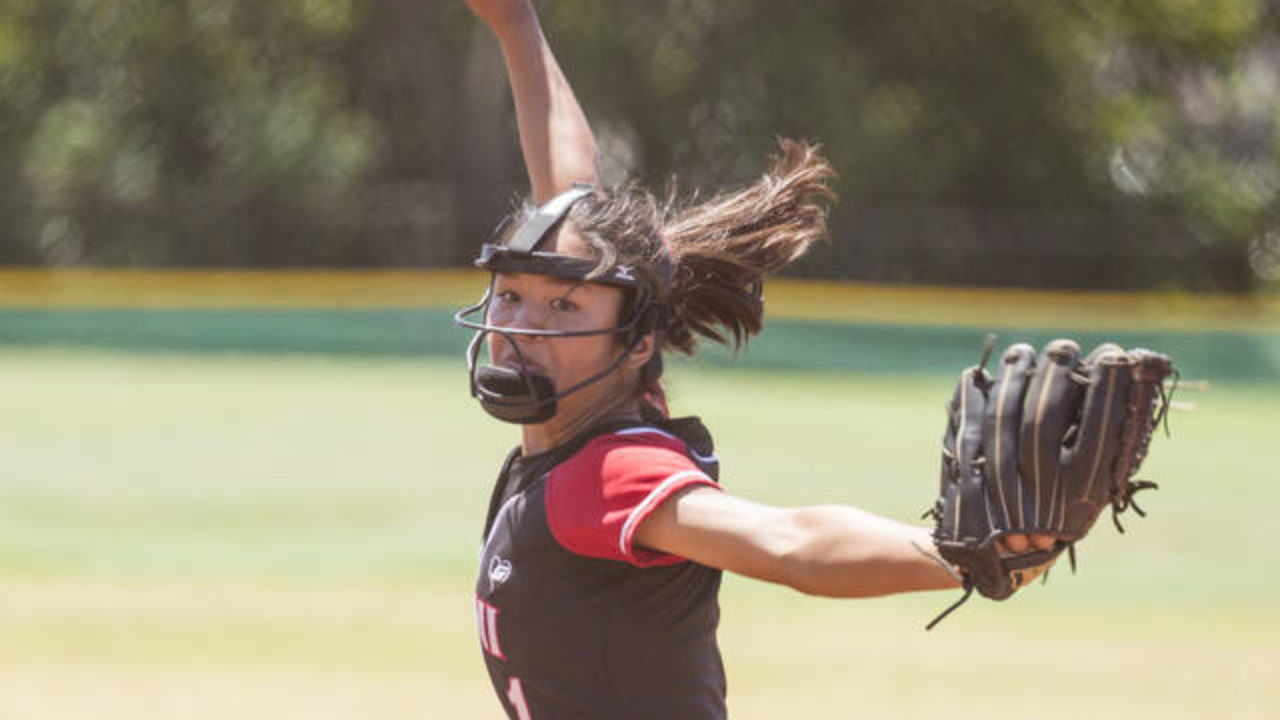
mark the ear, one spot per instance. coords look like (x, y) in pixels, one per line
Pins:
(644, 350)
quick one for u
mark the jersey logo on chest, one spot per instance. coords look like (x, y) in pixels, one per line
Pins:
(499, 571)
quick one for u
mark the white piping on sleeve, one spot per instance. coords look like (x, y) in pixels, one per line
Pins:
(642, 510)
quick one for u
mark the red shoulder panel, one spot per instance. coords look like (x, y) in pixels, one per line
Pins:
(597, 499)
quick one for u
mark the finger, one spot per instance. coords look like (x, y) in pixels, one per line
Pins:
(1015, 544)
(1042, 542)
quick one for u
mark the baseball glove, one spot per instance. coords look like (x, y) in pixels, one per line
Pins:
(1041, 450)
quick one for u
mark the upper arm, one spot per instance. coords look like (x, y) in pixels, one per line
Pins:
(714, 528)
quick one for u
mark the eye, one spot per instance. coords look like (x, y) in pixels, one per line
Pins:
(507, 296)
(561, 304)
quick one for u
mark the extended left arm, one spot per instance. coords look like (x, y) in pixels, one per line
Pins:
(828, 550)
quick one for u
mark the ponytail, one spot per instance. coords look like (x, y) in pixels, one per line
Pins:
(724, 247)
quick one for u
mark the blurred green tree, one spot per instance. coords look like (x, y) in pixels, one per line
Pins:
(1117, 144)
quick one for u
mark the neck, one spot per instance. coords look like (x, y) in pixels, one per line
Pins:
(568, 424)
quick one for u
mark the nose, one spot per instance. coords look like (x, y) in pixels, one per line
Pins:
(523, 316)
(502, 344)
(529, 317)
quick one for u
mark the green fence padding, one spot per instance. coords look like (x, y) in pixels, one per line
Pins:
(930, 349)
(785, 344)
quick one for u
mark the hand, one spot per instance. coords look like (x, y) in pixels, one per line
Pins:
(502, 15)
(1018, 544)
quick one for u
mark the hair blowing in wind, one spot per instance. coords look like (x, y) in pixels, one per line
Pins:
(725, 245)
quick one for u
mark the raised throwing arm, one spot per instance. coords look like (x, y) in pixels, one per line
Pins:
(555, 138)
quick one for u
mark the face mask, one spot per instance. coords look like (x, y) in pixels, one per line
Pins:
(520, 395)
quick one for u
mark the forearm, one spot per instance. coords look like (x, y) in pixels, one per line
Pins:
(555, 138)
(846, 552)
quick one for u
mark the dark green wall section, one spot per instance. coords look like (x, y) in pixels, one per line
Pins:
(786, 344)
(943, 349)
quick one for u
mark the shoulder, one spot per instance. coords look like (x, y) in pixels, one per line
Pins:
(597, 498)
(616, 449)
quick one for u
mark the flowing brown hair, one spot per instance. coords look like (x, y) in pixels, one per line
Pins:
(704, 261)
(723, 247)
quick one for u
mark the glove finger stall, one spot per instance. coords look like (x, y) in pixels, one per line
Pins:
(1087, 463)
(1051, 404)
(963, 511)
(1000, 436)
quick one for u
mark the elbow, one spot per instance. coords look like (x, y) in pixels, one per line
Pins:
(819, 580)
(826, 557)
(782, 554)
(803, 554)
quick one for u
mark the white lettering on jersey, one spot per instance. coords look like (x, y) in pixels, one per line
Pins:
(515, 694)
(487, 620)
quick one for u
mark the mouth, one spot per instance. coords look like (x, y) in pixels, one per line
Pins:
(514, 364)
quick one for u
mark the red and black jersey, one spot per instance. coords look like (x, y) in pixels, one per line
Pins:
(576, 621)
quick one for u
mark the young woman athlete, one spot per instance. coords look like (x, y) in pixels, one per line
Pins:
(607, 530)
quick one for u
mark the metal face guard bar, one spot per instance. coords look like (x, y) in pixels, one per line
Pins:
(483, 328)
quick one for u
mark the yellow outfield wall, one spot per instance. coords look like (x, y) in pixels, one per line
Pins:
(785, 298)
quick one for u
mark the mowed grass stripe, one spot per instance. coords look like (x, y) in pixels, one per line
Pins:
(785, 298)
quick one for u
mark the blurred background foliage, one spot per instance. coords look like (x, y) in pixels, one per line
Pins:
(1096, 143)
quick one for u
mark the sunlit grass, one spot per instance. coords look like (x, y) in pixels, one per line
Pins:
(262, 537)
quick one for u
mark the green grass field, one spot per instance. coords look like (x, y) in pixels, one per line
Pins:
(293, 536)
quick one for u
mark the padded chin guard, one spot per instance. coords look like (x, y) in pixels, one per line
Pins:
(515, 397)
